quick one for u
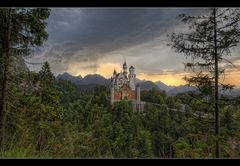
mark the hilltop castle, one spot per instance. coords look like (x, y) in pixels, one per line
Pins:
(124, 87)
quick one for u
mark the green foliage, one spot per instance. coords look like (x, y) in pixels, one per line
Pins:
(46, 117)
(55, 119)
(153, 96)
(208, 42)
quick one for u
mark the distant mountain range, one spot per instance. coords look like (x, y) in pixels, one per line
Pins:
(163, 86)
(91, 81)
(67, 76)
(88, 83)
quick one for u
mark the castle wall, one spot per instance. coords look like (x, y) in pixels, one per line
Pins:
(117, 95)
(132, 95)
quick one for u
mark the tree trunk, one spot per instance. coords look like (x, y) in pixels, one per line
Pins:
(217, 122)
(6, 61)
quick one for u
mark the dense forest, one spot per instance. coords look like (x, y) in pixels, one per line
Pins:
(52, 118)
(41, 116)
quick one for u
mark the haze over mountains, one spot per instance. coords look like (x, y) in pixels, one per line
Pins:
(96, 79)
(91, 81)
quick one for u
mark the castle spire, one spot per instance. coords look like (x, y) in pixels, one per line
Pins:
(125, 68)
(114, 71)
(124, 64)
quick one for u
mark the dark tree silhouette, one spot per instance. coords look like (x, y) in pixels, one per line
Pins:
(21, 29)
(210, 39)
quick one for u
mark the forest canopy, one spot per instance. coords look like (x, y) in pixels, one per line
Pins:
(42, 116)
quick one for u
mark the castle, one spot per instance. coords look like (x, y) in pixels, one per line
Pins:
(124, 87)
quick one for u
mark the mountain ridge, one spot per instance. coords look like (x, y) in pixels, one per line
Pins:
(91, 81)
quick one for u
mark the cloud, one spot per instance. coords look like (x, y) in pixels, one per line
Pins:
(94, 40)
(106, 30)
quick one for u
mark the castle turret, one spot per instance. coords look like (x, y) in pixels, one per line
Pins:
(132, 78)
(114, 73)
(125, 68)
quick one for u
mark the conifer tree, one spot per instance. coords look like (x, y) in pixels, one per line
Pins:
(21, 29)
(210, 39)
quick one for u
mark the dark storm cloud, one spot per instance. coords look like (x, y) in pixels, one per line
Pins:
(88, 34)
(110, 29)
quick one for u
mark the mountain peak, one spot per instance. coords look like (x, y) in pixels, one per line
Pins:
(79, 76)
(69, 77)
(65, 74)
(163, 86)
(94, 79)
(94, 75)
(148, 85)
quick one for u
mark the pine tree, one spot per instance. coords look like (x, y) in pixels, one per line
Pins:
(208, 42)
(21, 29)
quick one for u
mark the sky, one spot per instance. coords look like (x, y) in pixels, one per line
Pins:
(97, 40)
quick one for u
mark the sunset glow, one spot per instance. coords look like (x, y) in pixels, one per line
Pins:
(84, 41)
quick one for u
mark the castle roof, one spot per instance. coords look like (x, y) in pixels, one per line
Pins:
(131, 67)
(125, 64)
(119, 75)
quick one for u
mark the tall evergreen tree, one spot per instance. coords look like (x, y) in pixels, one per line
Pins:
(210, 39)
(21, 29)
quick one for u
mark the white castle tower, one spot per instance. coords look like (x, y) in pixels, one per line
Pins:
(132, 78)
